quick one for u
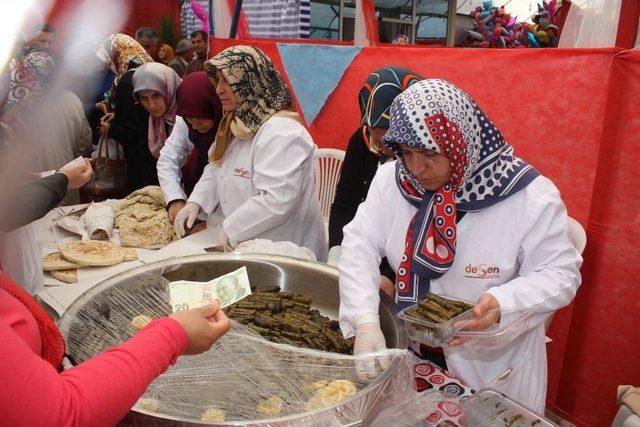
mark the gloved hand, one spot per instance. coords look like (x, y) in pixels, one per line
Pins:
(369, 339)
(188, 215)
(224, 241)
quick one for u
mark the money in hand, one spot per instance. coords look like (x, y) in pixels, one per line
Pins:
(228, 289)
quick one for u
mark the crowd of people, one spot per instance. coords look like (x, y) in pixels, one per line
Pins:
(426, 182)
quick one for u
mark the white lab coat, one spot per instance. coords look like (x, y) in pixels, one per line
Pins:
(265, 188)
(524, 236)
(173, 155)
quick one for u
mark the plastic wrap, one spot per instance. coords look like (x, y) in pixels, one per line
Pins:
(419, 410)
(265, 246)
(243, 379)
(491, 408)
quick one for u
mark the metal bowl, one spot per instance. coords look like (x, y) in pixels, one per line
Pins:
(315, 280)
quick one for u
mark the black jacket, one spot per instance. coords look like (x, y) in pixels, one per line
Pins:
(358, 169)
(130, 128)
(32, 201)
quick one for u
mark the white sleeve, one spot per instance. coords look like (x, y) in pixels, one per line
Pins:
(363, 246)
(278, 159)
(205, 192)
(172, 157)
(549, 273)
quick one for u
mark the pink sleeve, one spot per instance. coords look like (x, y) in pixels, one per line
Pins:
(98, 392)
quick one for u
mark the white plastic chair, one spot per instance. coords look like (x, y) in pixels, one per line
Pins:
(327, 168)
(579, 239)
(577, 235)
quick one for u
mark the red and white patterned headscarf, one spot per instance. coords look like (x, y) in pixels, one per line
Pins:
(435, 114)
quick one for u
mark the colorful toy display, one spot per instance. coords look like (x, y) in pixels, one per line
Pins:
(495, 28)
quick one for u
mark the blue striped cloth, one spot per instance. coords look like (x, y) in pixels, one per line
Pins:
(278, 18)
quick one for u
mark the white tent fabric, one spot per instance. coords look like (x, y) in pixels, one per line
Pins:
(591, 23)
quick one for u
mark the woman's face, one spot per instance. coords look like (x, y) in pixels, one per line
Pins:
(430, 168)
(201, 125)
(153, 102)
(224, 91)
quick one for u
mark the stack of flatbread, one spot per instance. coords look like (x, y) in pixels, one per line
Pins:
(143, 219)
(64, 265)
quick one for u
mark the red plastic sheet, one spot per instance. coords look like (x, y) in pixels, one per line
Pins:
(603, 349)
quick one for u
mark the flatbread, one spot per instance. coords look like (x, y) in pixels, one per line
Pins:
(93, 253)
(55, 261)
(130, 254)
(67, 276)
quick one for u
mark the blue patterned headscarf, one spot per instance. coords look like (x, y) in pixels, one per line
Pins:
(436, 115)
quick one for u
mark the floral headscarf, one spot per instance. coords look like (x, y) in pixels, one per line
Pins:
(435, 114)
(122, 53)
(162, 79)
(259, 89)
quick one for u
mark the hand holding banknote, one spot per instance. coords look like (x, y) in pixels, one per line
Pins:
(229, 289)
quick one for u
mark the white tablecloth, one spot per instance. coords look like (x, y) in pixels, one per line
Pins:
(59, 295)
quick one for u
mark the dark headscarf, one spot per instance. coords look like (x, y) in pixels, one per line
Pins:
(379, 91)
(197, 98)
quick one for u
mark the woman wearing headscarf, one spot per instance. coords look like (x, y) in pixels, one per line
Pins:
(260, 170)
(366, 153)
(166, 54)
(126, 121)
(184, 156)
(155, 86)
(458, 214)
(62, 132)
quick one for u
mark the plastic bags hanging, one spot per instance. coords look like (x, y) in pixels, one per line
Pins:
(591, 23)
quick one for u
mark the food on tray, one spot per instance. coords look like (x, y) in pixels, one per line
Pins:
(437, 309)
(140, 321)
(271, 406)
(143, 219)
(213, 414)
(91, 253)
(490, 408)
(331, 394)
(67, 276)
(130, 254)
(55, 261)
(288, 318)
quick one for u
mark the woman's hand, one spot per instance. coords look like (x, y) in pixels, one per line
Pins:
(185, 218)
(203, 326)
(387, 286)
(102, 106)
(486, 313)
(175, 207)
(78, 172)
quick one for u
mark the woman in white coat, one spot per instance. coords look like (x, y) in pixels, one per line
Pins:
(260, 170)
(184, 155)
(459, 215)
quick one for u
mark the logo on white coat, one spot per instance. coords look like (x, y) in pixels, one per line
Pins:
(241, 172)
(482, 271)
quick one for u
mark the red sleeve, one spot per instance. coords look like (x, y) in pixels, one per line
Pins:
(98, 392)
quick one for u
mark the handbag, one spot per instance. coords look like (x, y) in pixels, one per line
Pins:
(109, 172)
